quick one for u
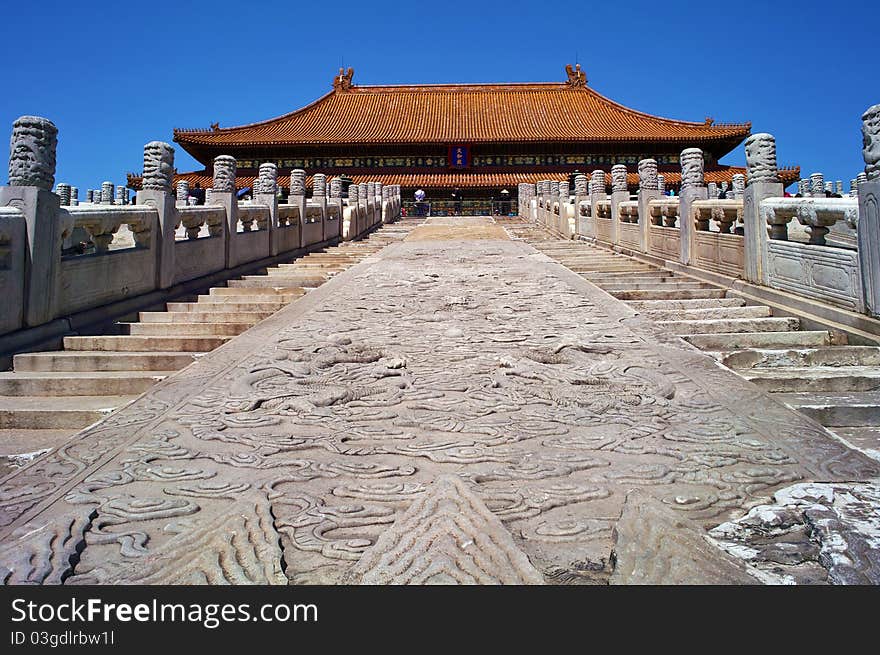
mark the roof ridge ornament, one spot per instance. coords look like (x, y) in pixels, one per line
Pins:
(342, 82)
(576, 77)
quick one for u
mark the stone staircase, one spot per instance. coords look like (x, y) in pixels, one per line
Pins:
(48, 396)
(813, 371)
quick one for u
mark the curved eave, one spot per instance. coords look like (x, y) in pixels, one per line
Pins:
(244, 136)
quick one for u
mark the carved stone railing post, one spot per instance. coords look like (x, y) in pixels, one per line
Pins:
(333, 224)
(597, 195)
(266, 193)
(364, 205)
(564, 196)
(619, 194)
(319, 197)
(581, 197)
(156, 192)
(106, 193)
(763, 183)
(647, 192)
(63, 191)
(31, 178)
(182, 193)
(868, 233)
(225, 196)
(298, 196)
(692, 188)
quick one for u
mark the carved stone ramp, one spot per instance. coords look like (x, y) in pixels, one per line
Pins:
(312, 441)
(448, 536)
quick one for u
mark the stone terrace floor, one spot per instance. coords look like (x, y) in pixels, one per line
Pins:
(456, 408)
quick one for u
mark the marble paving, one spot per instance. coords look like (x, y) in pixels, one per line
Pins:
(451, 410)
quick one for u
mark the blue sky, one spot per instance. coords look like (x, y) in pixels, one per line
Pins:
(113, 76)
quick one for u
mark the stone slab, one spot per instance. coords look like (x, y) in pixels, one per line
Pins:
(321, 427)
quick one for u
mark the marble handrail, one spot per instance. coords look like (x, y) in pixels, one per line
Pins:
(725, 213)
(817, 214)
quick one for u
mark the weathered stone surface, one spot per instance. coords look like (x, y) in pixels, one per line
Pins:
(447, 536)
(761, 158)
(871, 142)
(655, 545)
(158, 166)
(323, 427)
(32, 152)
(812, 534)
(648, 174)
(224, 174)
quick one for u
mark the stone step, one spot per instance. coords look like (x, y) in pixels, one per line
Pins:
(48, 413)
(683, 294)
(866, 438)
(654, 286)
(305, 279)
(204, 317)
(187, 329)
(132, 343)
(685, 304)
(16, 442)
(79, 383)
(610, 268)
(837, 409)
(731, 325)
(740, 340)
(235, 291)
(266, 282)
(242, 305)
(800, 357)
(815, 378)
(647, 276)
(79, 360)
(749, 311)
(254, 296)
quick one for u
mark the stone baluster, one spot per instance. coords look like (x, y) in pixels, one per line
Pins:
(597, 195)
(298, 196)
(838, 188)
(107, 193)
(156, 192)
(63, 191)
(266, 193)
(182, 193)
(319, 186)
(90, 196)
(661, 184)
(817, 185)
(868, 229)
(564, 197)
(712, 191)
(619, 194)
(224, 186)
(763, 183)
(853, 188)
(739, 186)
(32, 152)
(74, 196)
(581, 197)
(647, 192)
(121, 195)
(803, 188)
(692, 189)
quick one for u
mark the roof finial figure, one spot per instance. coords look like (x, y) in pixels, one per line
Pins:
(576, 77)
(343, 80)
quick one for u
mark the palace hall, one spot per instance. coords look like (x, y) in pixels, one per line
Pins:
(477, 138)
